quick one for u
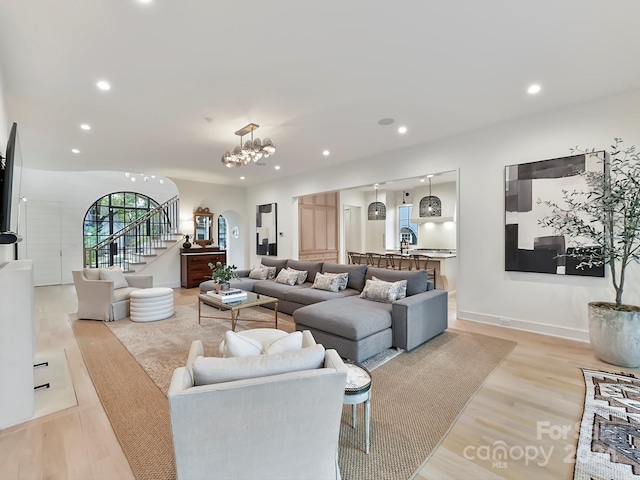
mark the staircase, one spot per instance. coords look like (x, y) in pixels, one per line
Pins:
(140, 242)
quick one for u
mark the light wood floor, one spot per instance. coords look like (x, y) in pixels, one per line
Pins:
(522, 407)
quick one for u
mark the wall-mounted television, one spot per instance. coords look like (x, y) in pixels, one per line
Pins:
(6, 188)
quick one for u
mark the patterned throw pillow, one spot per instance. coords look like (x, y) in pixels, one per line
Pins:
(259, 273)
(271, 270)
(343, 279)
(326, 282)
(302, 275)
(287, 277)
(386, 292)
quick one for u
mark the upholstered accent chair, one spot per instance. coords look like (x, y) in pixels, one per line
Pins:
(266, 416)
(103, 294)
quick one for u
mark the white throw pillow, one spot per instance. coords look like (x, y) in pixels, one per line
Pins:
(291, 342)
(386, 292)
(259, 273)
(324, 281)
(302, 275)
(208, 370)
(238, 346)
(287, 277)
(114, 273)
(91, 273)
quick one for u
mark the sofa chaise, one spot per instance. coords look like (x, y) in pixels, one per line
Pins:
(356, 327)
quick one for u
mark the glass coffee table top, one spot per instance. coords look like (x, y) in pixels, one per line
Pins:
(252, 299)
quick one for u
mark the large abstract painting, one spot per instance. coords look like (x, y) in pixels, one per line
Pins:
(266, 229)
(529, 246)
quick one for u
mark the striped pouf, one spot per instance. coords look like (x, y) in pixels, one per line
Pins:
(151, 304)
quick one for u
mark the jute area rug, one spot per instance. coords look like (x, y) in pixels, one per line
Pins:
(416, 396)
(608, 446)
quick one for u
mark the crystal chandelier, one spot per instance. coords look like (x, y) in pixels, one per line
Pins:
(251, 151)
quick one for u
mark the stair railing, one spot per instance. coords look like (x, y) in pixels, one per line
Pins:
(137, 240)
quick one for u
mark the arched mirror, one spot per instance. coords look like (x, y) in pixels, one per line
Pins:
(203, 226)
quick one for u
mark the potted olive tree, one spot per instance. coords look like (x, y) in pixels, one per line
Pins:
(221, 274)
(607, 216)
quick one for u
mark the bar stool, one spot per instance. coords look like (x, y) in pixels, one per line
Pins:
(356, 257)
(373, 259)
(431, 272)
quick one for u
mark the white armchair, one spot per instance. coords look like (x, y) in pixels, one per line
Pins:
(283, 424)
(106, 300)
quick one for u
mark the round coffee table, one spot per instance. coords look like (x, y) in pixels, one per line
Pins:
(358, 390)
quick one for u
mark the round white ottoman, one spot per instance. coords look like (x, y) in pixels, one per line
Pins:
(151, 304)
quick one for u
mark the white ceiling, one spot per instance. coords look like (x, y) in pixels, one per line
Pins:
(314, 74)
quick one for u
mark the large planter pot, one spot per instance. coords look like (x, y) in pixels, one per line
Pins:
(615, 335)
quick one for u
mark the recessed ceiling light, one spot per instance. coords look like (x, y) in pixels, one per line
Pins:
(84, 126)
(241, 178)
(402, 130)
(326, 153)
(422, 179)
(533, 89)
(161, 181)
(75, 150)
(103, 85)
(133, 179)
(277, 167)
(144, 1)
(430, 176)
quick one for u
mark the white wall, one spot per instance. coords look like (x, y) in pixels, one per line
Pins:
(69, 195)
(538, 302)
(221, 200)
(352, 198)
(437, 235)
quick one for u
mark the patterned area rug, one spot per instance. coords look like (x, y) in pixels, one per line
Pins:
(609, 443)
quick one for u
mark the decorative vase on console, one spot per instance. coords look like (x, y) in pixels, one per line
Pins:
(187, 243)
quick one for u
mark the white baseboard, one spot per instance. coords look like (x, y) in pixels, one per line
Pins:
(524, 325)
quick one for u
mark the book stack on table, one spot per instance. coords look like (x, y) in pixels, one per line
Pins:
(229, 296)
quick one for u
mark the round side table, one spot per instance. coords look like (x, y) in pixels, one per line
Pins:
(358, 390)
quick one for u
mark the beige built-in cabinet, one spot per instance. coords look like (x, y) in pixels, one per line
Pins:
(318, 227)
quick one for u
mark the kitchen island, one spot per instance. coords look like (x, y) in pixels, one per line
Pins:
(444, 262)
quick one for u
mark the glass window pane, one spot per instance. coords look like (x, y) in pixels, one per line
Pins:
(117, 199)
(130, 199)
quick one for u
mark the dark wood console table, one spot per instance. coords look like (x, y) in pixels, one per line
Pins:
(194, 264)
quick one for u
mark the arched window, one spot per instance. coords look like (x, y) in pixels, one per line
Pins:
(408, 230)
(223, 234)
(377, 211)
(109, 215)
(430, 206)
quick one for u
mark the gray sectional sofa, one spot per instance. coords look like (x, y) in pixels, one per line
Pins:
(357, 328)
